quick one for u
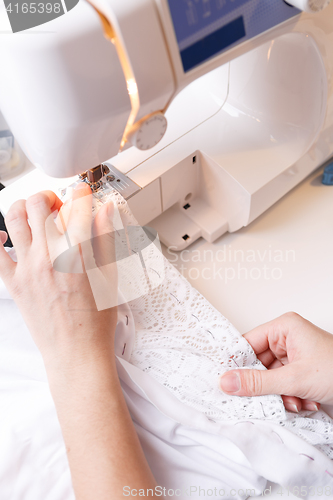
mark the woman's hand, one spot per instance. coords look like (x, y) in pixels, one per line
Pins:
(68, 316)
(59, 308)
(299, 358)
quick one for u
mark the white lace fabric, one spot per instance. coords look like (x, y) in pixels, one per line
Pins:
(185, 344)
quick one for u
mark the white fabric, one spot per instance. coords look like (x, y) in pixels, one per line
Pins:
(191, 433)
(185, 344)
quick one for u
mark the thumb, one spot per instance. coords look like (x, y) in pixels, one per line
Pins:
(259, 382)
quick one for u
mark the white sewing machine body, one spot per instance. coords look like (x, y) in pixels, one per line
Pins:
(255, 123)
(244, 145)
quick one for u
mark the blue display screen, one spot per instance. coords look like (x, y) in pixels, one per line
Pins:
(210, 45)
(205, 28)
(190, 16)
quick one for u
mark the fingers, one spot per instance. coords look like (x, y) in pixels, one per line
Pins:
(103, 278)
(18, 227)
(291, 403)
(80, 217)
(41, 230)
(274, 336)
(74, 221)
(268, 342)
(310, 405)
(103, 222)
(258, 338)
(57, 245)
(268, 336)
(103, 233)
(63, 216)
(266, 357)
(295, 405)
(54, 202)
(38, 210)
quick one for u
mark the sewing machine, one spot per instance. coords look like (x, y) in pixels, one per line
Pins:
(227, 105)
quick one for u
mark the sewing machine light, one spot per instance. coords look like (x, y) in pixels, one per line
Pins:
(309, 5)
(132, 87)
(148, 131)
(145, 125)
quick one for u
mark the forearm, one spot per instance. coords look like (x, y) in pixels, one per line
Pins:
(104, 452)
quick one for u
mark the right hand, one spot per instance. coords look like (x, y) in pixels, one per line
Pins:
(299, 358)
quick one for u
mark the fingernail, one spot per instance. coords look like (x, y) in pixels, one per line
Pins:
(230, 382)
(291, 407)
(310, 407)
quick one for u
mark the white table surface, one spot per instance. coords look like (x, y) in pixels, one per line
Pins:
(298, 231)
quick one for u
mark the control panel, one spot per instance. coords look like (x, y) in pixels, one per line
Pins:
(206, 28)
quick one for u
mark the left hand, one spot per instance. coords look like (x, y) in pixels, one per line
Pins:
(58, 307)
(75, 339)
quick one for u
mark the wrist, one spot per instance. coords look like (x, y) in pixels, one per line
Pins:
(79, 341)
(81, 373)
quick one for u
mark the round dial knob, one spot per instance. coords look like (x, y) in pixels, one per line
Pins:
(148, 132)
(309, 5)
